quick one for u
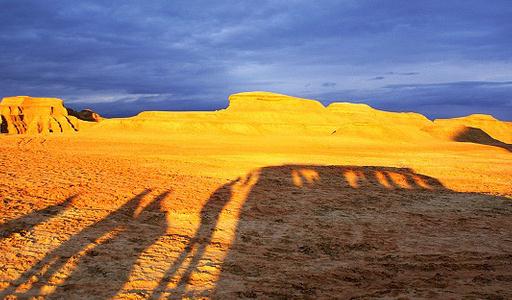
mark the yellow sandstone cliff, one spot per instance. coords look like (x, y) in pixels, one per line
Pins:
(23, 114)
(265, 114)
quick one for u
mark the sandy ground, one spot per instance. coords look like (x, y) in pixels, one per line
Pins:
(130, 216)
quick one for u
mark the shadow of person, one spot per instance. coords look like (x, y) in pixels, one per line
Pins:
(285, 188)
(307, 231)
(26, 223)
(77, 255)
(107, 266)
(197, 245)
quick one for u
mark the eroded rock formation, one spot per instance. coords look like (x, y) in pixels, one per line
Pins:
(23, 114)
(85, 115)
(264, 114)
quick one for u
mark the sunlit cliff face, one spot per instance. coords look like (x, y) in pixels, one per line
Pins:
(27, 115)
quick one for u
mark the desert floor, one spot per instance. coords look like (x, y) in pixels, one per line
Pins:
(146, 217)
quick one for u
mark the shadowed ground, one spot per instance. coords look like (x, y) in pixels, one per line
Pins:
(25, 223)
(320, 231)
(347, 231)
(299, 231)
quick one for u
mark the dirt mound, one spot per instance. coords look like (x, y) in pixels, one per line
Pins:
(23, 114)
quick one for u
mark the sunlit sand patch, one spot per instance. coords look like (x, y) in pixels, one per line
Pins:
(60, 275)
(147, 274)
(46, 244)
(308, 175)
(58, 263)
(27, 283)
(399, 179)
(153, 264)
(297, 180)
(208, 270)
(352, 178)
(383, 181)
(199, 257)
(228, 221)
(421, 183)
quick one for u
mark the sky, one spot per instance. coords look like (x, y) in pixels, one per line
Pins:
(440, 58)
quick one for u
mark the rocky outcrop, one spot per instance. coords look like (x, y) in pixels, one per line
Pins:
(24, 114)
(85, 115)
(263, 114)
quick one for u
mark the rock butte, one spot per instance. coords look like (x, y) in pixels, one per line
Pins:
(23, 114)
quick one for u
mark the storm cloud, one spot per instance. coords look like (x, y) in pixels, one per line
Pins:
(441, 58)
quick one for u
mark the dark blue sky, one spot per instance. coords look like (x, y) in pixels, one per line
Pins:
(441, 58)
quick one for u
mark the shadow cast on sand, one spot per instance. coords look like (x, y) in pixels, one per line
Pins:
(303, 231)
(478, 136)
(308, 231)
(26, 223)
(111, 245)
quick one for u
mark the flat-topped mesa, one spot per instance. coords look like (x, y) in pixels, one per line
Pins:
(270, 113)
(266, 101)
(24, 114)
(366, 113)
(348, 107)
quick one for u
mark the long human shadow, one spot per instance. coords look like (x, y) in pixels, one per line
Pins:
(112, 244)
(478, 136)
(27, 222)
(308, 231)
(197, 244)
(299, 177)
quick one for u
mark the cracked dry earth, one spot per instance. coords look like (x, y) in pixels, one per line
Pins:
(98, 224)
